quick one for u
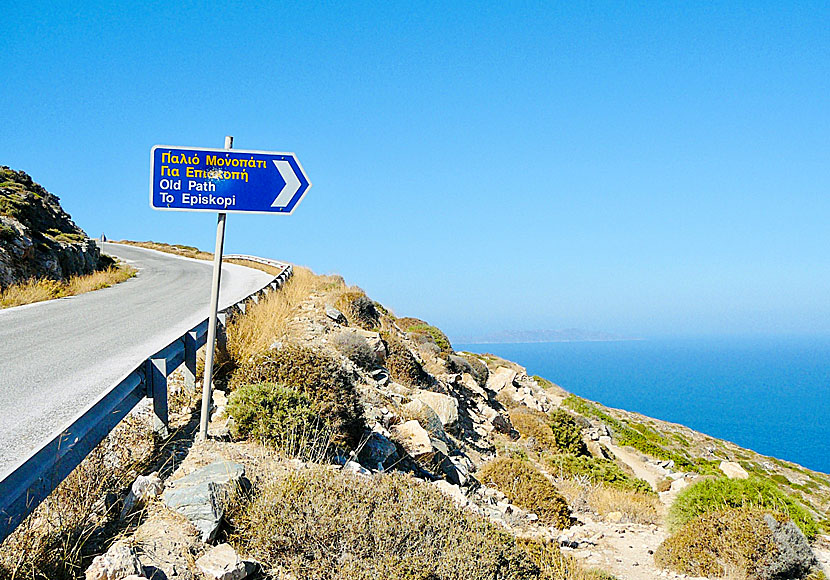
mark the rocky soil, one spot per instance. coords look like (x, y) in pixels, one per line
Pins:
(38, 239)
(440, 425)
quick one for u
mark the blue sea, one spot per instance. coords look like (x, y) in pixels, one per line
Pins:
(768, 395)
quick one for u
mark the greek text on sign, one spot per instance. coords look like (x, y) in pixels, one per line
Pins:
(225, 180)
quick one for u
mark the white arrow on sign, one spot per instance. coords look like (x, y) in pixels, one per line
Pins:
(292, 184)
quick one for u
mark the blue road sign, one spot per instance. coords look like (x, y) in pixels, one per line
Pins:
(225, 180)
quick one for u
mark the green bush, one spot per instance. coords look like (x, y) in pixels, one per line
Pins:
(269, 413)
(735, 541)
(526, 487)
(597, 470)
(315, 375)
(434, 333)
(7, 233)
(717, 494)
(567, 432)
(626, 435)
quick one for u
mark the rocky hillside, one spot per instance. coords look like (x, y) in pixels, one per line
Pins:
(38, 239)
(347, 442)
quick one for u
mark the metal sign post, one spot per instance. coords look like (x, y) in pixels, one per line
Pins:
(207, 380)
(223, 181)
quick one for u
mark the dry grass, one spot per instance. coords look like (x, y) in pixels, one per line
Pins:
(534, 428)
(635, 506)
(317, 524)
(255, 265)
(178, 249)
(269, 321)
(44, 289)
(62, 535)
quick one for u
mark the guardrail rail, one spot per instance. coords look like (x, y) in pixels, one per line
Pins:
(28, 484)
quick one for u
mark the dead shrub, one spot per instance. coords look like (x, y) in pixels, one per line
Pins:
(402, 364)
(635, 506)
(316, 524)
(534, 428)
(357, 349)
(528, 488)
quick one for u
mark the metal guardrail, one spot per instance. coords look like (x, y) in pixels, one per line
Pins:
(37, 476)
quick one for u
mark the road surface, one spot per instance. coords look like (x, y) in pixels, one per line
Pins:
(57, 357)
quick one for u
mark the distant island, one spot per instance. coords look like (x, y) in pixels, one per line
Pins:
(562, 335)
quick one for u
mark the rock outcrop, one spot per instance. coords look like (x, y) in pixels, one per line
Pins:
(38, 239)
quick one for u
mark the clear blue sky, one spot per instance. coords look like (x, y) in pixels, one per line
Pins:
(647, 169)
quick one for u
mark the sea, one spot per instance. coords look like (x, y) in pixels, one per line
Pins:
(771, 395)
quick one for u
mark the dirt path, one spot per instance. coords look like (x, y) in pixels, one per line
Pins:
(640, 468)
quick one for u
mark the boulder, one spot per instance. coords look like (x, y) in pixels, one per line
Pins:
(733, 470)
(426, 416)
(452, 491)
(356, 468)
(119, 562)
(445, 407)
(500, 378)
(469, 382)
(199, 495)
(144, 488)
(377, 450)
(334, 314)
(222, 563)
(413, 438)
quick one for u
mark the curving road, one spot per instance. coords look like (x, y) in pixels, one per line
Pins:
(58, 356)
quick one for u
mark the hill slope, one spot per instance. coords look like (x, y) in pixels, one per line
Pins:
(38, 239)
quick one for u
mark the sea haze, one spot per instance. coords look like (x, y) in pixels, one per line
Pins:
(769, 395)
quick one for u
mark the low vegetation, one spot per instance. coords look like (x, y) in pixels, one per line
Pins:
(178, 249)
(57, 540)
(33, 291)
(631, 505)
(268, 322)
(359, 309)
(734, 541)
(595, 470)
(528, 488)
(316, 376)
(436, 335)
(534, 428)
(566, 432)
(402, 364)
(641, 438)
(716, 494)
(317, 524)
(356, 348)
(270, 413)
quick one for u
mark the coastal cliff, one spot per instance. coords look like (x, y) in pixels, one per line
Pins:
(347, 442)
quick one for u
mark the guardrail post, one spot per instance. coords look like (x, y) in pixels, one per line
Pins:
(221, 335)
(156, 377)
(190, 349)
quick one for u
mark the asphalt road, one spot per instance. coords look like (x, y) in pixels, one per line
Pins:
(57, 357)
